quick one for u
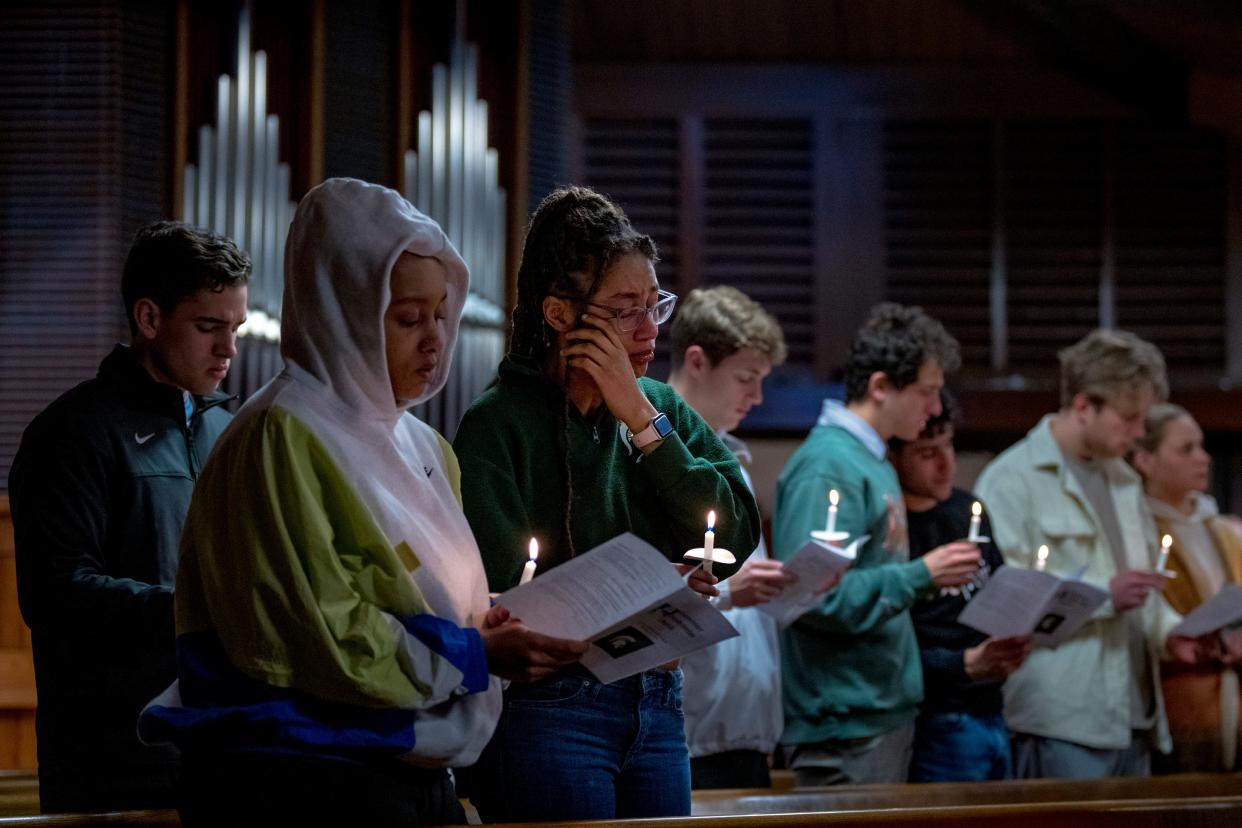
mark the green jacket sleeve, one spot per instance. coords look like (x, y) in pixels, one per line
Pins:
(492, 501)
(870, 593)
(277, 536)
(694, 473)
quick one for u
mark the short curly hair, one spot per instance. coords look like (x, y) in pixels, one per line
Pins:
(170, 261)
(722, 321)
(1105, 363)
(896, 340)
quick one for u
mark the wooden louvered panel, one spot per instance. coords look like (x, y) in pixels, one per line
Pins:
(82, 151)
(1053, 214)
(938, 225)
(1170, 242)
(636, 164)
(758, 220)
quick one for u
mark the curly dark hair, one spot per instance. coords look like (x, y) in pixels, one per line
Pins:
(896, 340)
(572, 239)
(170, 260)
(949, 417)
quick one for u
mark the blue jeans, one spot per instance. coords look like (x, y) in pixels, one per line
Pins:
(960, 747)
(572, 748)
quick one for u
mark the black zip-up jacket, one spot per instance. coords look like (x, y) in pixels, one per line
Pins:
(99, 491)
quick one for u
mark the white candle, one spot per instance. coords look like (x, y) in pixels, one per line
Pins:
(1165, 543)
(833, 498)
(528, 571)
(976, 518)
(1041, 559)
(709, 542)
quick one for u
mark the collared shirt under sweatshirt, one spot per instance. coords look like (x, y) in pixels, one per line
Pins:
(850, 665)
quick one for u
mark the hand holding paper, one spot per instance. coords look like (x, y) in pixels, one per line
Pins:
(759, 581)
(627, 600)
(1222, 610)
(517, 653)
(1027, 602)
(815, 564)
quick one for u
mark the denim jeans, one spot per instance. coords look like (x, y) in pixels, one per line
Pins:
(960, 747)
(572, 748)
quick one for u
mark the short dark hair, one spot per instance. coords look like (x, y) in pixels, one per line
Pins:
(574, 236)
(722, 321)
(896, 340)
(950, 415)
(170, 260)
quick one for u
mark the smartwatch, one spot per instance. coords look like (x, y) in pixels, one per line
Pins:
(657, 429)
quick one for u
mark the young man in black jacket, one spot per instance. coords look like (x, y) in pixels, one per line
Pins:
(99, 491)
(960, 734)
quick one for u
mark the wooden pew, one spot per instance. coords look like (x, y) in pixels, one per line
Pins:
(1203, 812)
(146, 819)
(19, 792)
(1206, 812)
(870, 797)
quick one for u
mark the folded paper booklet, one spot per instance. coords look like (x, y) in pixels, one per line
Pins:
(1224, 609)
(814, 564)
(1018, 601)
(628, 600)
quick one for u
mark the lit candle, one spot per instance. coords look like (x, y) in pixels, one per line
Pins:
(709, 542)
(1165, 544)
(528, 571)
(833, 498)
(1041, 559)
(976, 518)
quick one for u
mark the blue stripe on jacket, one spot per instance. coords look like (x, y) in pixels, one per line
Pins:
(225, 709)
(460, 646)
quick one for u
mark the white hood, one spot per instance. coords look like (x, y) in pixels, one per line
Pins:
(343, 242)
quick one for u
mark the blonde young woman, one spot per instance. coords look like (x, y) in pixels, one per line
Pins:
(1202, 701)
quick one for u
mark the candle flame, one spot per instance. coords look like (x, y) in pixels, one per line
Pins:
(1166, 541)
(1042, 554)
(976, 509)
(711, 521)
(534, 549)
(833, 497)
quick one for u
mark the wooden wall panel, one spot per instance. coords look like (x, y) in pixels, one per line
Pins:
(17, 686)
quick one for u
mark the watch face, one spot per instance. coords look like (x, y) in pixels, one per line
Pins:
(662, 426)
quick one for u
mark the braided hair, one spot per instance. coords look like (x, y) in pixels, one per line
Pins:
(574, 236)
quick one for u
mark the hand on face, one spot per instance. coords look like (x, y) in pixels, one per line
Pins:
(597, 348)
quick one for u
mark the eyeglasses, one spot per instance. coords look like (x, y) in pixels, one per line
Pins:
(627, 319)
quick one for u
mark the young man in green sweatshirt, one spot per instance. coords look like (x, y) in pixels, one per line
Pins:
(851, 676)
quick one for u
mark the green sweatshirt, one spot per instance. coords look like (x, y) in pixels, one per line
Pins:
(850, 666)
(526, 455)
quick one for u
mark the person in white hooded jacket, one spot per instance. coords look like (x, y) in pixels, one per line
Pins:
(334, 636)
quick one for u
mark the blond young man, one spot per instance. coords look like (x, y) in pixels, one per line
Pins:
(723, 346)
(1092, 707)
